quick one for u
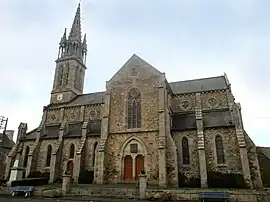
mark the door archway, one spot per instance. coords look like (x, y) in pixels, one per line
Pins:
(139, 165)
(128, 164)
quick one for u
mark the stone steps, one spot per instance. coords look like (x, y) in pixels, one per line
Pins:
(120, 193)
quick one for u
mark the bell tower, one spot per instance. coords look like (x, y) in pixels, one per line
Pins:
(70, 64)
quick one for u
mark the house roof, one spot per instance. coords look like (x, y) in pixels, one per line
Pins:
(7, 143)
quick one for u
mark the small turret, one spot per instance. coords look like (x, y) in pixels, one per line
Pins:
(63, 44)
(84, 49)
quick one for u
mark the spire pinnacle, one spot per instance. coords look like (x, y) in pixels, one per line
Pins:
(75, 32)
(64, 38)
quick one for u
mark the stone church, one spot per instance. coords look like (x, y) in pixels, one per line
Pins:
(142, 122)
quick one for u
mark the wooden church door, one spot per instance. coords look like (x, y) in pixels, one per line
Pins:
(128, 168)
(139, 165)
(70, 168)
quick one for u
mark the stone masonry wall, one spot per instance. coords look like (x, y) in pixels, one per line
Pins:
(231, 150)
(149, 105)
(65, 151)
(115, 143)
(29, 143)
(193, 169)
(214, 100)
(42, 154)
(89, 151)
(210, 101)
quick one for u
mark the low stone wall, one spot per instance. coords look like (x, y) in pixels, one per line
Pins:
(155, 194)
(193, 194)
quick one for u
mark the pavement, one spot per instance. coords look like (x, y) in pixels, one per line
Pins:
(64, 199)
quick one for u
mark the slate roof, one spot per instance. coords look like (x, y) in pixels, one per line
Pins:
(179, 87)
(199, 85)
(7, 143)
(265, 151)
(90, 98)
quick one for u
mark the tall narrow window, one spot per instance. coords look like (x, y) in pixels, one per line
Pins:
(134, 109)
(80, 79)
(60, 75)
(185, 151)
(49, 154)
(77, 78)
(27, 149)
(220, 150)
(66, 73)
(94, 154)
(71, 151)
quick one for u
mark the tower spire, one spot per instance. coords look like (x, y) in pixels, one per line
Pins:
(75, 32)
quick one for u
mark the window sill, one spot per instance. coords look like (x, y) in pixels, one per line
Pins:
(221, 165)
(134, 129)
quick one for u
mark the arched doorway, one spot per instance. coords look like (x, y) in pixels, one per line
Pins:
(70, 168)
(139, 165)
(128, 168)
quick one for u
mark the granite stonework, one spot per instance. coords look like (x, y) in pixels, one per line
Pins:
(105, 126)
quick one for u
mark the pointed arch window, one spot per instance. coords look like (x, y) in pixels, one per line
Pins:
(220, 150)
(94, 154)
(80, 79)
(185, 151)
(60, 75)
(134, 108)
(71, 151)
(49, 155)
(66, 74)
(77, 77)
(27, 150)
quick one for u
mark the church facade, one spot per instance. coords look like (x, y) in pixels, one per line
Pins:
(141, 123)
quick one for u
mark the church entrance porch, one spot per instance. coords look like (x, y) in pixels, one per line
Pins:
(133, 154)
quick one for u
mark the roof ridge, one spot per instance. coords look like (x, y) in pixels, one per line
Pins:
(263, 147)
(213, 77)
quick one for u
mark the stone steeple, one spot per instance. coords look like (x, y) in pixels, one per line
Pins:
(75, 32)
(73, 46)
(70, 64)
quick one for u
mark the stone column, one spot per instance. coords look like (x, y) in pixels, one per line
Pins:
(65, 184)
(200, 139)
(162, 138)
(103, 140)
(142, 185)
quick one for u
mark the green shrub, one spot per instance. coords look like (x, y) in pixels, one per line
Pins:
(58, 180)
(184, 181)
(30, 182)
(225, 180)
(34, 174)
(86, 177)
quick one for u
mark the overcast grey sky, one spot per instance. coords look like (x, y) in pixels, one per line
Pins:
(187, 39)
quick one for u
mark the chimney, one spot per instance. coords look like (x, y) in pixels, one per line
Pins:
(10, 134)
(21, 131)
